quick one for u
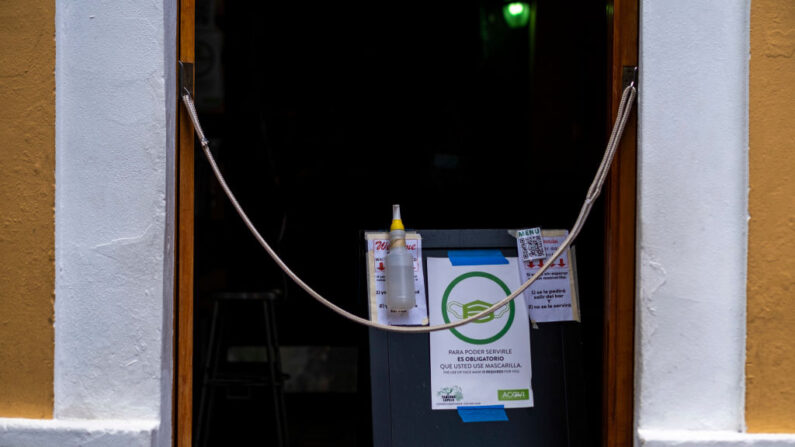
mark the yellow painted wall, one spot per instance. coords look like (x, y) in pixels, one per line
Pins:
(27, 227)
(770, 368)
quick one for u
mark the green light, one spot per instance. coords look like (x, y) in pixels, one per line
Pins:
(515, 9)
(516, 14)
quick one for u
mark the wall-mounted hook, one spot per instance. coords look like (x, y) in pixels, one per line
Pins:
(185, 78)
(629, 76)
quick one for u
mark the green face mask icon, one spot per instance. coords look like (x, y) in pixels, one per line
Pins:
(457, 310)
(462, 311)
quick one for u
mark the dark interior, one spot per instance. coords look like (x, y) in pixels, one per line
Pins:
(321, 116)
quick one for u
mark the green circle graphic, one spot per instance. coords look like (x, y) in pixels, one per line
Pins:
(511, 308)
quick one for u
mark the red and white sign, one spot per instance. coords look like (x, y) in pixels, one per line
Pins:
(377, 249)
(553, 296)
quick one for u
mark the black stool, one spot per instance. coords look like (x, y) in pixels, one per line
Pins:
(220, 372)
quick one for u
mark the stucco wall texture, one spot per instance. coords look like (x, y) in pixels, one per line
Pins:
(770, 361)
(27, 233)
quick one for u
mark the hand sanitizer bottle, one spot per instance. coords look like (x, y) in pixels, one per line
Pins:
(399, 267)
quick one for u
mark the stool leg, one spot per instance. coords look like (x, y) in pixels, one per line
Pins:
(206, 402)
(274, 366)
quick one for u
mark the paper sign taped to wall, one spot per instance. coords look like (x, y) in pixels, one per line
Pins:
(553, 297)
(487, 361)
(377, 249)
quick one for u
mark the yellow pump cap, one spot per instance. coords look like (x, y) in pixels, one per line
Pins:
(397, 224)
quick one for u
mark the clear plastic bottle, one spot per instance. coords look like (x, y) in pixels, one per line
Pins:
(399, 267)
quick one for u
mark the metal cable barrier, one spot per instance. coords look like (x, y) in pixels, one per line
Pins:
(624, 110)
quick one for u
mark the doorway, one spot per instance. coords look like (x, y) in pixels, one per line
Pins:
(322, 116)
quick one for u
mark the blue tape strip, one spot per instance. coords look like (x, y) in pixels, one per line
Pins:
(476, 257)
(484, 413)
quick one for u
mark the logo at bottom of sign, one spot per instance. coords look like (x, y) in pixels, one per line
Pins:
(451, 394)
(513, 394)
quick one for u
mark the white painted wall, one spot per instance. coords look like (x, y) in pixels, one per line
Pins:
(692, 225)
(170, 21)
(692, 216)
(78, 433)
(115, 127)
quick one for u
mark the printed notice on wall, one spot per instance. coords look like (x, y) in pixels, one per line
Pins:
(553, 297)
(485, 362)
(377, 248)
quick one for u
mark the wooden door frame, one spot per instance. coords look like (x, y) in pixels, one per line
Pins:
(618, 351)
(182, 407)
(620, 209)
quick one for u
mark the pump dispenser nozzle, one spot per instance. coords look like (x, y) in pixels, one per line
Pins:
(399, 267)
(397, 224)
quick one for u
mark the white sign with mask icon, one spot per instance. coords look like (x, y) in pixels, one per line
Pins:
(487, 361)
